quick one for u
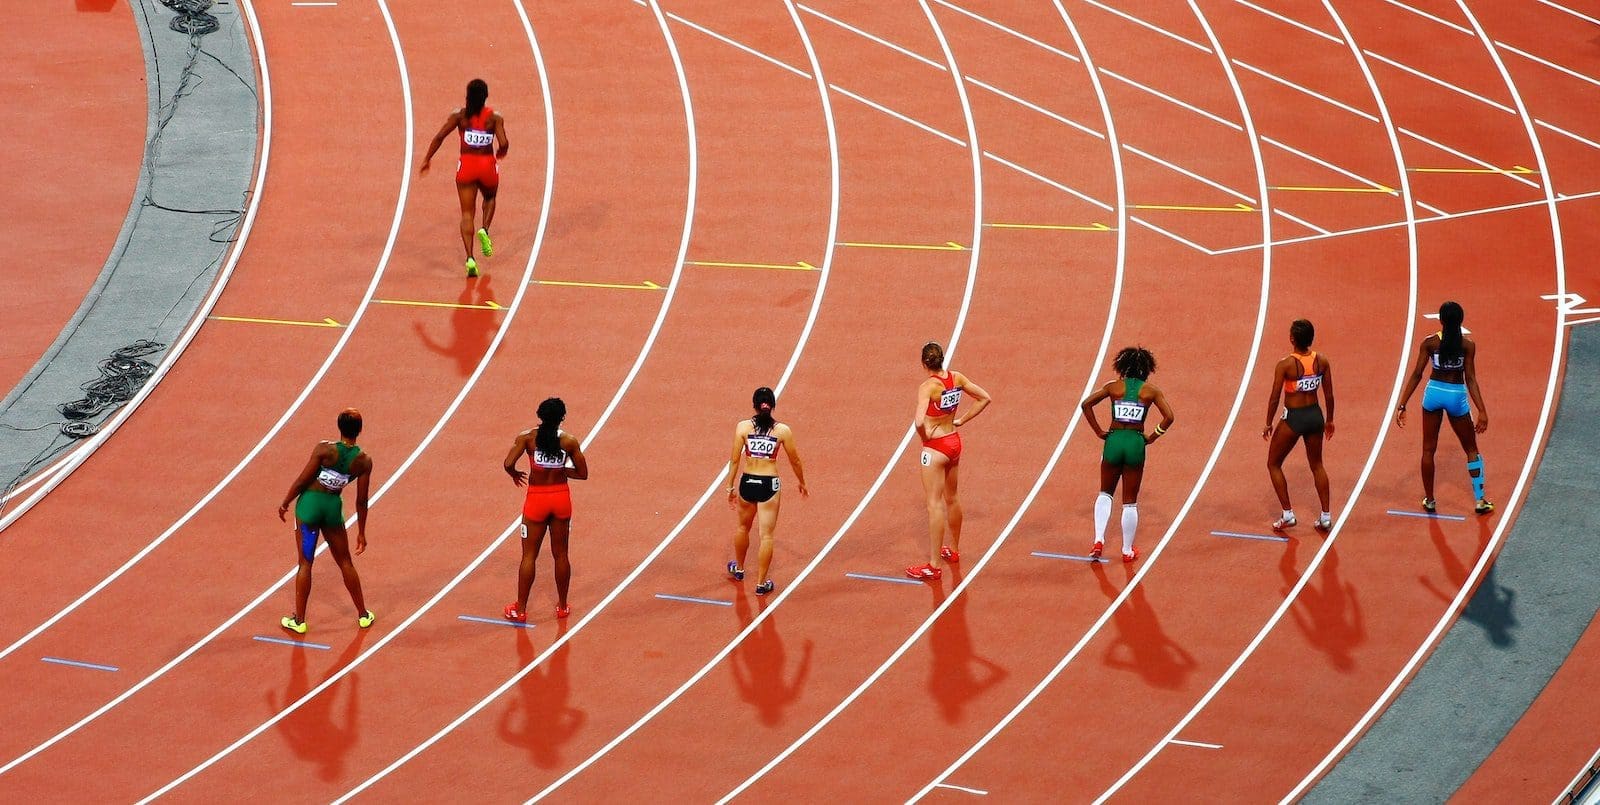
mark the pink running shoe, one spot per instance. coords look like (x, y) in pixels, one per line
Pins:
(1099, 548)
(1129, 558)
(515, 615)
(949, 554)
(924, 572)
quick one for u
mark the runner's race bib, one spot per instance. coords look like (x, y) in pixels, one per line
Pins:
(1128, 411)
(478, 139)
(950, 400)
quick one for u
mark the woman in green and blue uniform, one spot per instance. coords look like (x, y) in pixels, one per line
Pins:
(1122, 458)
(319, 509)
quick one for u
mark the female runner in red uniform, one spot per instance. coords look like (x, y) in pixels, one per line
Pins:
(937, 399)
(755, 442)
(477, 172)
(553, 457)
(1296, 380)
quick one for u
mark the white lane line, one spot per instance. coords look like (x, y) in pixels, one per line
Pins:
(1211, 462)
(1150, 25)
(1291, 21)
(58, 472)
(1044, 474)
(1172, 100)
(1035, 107)
(1198, 744)
(714, 485)
(1329, 165)
(750, 50)
(1274, 77)
(1564, 9)
(1174, 236)
(1550, 64)
(955, 338)
(1434, 17)
(1430, 208)
(892, 113)
(1466, 156)
(1448, 615)
(880, 40)
(1078, 194)
(976, 791)
(1018, 34)
(1565, 133)
(383, 262)
(1440, 82)
(1191, 174)
(1377, 445)
(1303, 222)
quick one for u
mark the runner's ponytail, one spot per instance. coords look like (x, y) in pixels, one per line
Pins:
(477, 96)
(548, 437)
(1450, 316)
(763, 401)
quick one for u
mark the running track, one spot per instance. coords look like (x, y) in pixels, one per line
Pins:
(779, 134)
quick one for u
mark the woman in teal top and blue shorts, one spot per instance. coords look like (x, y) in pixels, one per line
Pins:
(1122, 458)
(332, 467)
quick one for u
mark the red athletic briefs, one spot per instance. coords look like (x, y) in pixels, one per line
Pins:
(948, 444)
(479, 168)
(546, 502)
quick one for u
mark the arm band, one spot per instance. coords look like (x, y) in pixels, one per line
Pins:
(1160, 430)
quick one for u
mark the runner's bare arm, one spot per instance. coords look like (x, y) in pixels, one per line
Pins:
(1410, 386)
(786, 435)
(438, 139)
(500, 134)
(733, 462)
(1470, 373)
(1087, 406)
(303, 480)
(1327, 393)
(1275, 394)
(579, 471)
(363, 485)
(978, 393)
(519, 446)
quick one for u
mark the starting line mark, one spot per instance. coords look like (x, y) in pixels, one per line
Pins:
(1385, 189)
(291, 322)
(1427, 516)
(1515, 170)
(891, 579)
(284, 641)
(1195, 743)
(980, 792)
(692, 600)
(462, 305)
(1074, 557)
(494, 621)
(93, 666)
(1242, 535)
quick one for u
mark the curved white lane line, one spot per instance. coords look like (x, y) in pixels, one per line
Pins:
(883, 475)
(1449, 614)
(58, 472)
(394, 231)
(1050, 464)
(1211, 462)
(1401, 364)
(511, 312)
(200, 317)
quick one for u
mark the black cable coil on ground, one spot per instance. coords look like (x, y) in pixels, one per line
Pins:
(192, 18)
(121, 375)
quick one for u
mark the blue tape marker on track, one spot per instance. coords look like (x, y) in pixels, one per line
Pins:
(1426, 516)
(692, 600)
(892, 579)
(284, 641)
(93, 666)
(495, 621)
(1074, 557)
(1242, 535)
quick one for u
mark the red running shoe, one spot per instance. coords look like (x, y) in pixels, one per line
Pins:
(563, 610)
(1128, 558)
(949, 554)
(514, 614)
(1096, 550)
(924, 572)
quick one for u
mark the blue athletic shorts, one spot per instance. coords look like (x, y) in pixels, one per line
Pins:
(1448, 397)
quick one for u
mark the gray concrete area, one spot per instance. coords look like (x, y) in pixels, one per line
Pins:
(200, 150)
(1517, 629)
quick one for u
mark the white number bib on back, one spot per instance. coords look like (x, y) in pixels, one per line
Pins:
(1129, 412)
(477, 138)
(1308, 384)
(950, 400)
(332, 479)
(760, 445)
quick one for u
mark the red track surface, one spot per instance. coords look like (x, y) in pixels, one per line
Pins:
(734, 693)
(70, 167)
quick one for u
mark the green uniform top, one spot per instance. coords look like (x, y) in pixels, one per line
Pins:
(1128, 410)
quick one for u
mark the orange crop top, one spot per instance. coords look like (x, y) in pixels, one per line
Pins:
(1308, 381)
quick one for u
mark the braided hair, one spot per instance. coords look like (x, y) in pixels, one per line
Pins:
(548, 438)
(477, 96)
(1450, 316)
(1135, 362)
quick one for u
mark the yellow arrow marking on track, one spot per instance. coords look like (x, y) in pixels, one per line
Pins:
(1095, 227)
(799, 265)
(251, 320)
(1301, 188)
(1239, 207)
(462, 305)
(1515, 170)
(947, 246)
(647, 285)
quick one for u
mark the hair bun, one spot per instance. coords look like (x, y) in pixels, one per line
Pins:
(766, 406)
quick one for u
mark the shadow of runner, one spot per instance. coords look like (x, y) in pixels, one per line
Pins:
(758, 667)
(541, 721)
(471, 329)
(1140, 645)
(958, 674)
(1329, 616)
(310, 731)
(1490, 604)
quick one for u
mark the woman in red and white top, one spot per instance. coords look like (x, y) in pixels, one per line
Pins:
(756, 494)
(553, 457)
(937, 400)
(1296, 380)
(478, 171)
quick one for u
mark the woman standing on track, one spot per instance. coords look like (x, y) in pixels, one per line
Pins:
(1296, 380)
(1123, 456)
(333, 465)
(479, 128)
(755, 442)
(553, 457)
(1453, 380)
(937, 400)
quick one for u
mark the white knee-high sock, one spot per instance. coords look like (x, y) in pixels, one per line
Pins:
(1102, 515)
(1130, 521)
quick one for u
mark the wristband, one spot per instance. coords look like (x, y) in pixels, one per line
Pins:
(1160, 430)
(1402, 407)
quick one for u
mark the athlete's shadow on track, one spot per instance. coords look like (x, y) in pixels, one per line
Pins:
(1330, 617)
(1490, 604)
(542, 721)
(958, 675)
(758, 667)
(1140, 645)
(471, 328)
(310, 731)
